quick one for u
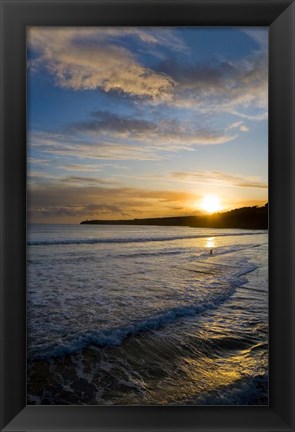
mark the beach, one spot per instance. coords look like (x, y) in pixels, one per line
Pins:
(144, 315)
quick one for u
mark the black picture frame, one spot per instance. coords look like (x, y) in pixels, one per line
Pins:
(16, 15)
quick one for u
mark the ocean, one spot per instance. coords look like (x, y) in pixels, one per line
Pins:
(146, 315)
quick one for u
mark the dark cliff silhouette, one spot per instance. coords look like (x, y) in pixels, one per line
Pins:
(245, 217)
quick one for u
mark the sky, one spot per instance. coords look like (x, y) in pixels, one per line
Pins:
(136, 122)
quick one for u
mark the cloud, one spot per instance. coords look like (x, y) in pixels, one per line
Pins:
(85, 201)
(82, 59)
(37, 161)
(40, 177)
(106, 122)
(238, 125)
(259, 35)
(56, 146)
(107, 136)
(259, 116)
(234, 87)
(165, 134)
(92, 168)
(76, 211)
(162, 36)
(81, 167)
(78, 180)
(244, 128)
(104, 58)
(220, 178)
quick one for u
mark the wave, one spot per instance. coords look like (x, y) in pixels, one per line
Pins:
(131, 240)
(114, 336)
(244, 391)
(228, 250)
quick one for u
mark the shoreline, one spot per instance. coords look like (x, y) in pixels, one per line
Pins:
(242, 218)
(185, 360)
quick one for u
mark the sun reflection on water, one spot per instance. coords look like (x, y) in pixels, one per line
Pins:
(210, 242)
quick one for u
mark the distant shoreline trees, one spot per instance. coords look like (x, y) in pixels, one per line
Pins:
(244, 217)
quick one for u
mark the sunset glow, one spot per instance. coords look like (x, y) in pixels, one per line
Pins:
(211, 203)
(147, 232)
(127, 122)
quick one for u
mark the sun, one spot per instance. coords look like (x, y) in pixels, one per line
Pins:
(210, 203)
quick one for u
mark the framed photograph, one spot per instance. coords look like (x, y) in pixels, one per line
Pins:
(147, 218)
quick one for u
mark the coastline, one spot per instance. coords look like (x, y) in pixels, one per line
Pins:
(241, 218)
